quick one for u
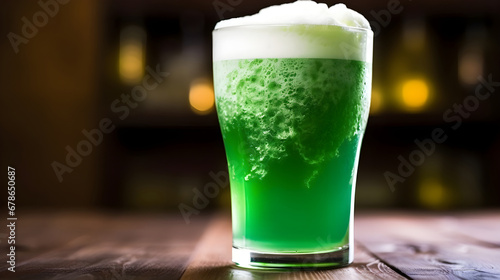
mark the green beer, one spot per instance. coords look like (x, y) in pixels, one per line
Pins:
(292, 129)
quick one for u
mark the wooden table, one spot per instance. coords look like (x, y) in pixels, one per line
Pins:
(389, 245)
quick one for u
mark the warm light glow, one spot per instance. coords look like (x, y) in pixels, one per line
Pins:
(376, 102)
(201, 97)
(433, 194)
(470, 66)
(131, 62)
(415, 93)
(414, 34)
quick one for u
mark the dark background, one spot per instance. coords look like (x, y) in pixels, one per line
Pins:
(428, 56)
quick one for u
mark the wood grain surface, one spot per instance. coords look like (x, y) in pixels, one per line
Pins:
(435, 247)
(102, 246)
(135, 247)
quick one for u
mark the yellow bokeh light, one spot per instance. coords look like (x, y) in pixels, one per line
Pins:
(131, 62)
(433, 194)
(376, 102)
(201, 97)
(415, 93)
(132, 54)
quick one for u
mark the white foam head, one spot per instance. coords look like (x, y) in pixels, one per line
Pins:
(302, 29)
(301, 12)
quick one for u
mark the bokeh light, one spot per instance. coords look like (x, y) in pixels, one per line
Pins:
(201, 96)
(470, 66)
(376, 101)
(132, 56)
(415, 94)
(433, 194)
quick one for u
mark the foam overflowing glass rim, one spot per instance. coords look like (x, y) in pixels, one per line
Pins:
(289, 25)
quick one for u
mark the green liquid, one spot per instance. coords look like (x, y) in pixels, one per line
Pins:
(292, 130)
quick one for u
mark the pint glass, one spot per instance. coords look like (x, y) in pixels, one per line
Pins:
(292, 103)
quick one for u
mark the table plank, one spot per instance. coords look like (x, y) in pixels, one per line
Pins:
(483, 227)
(427, 246)
(212, 260)
(103, 246)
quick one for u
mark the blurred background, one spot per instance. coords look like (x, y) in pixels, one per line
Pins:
(82, 134)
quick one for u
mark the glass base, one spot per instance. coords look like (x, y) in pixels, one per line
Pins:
(252, 259)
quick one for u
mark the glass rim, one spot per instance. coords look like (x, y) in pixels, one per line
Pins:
(362, 29)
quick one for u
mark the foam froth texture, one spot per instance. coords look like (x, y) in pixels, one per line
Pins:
(302, 29)
(302, 12)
